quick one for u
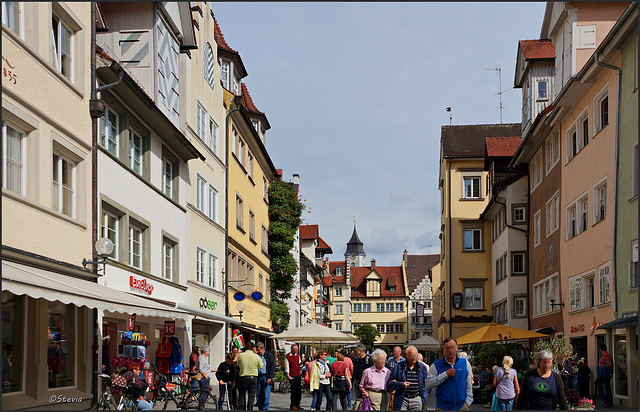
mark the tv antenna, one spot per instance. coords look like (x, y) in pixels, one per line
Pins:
(450, 115)
(498, 69)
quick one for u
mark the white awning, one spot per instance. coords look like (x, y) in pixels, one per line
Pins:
(208, 315)
(38, 283)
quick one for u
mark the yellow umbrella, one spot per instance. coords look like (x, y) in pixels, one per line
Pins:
(494, 332)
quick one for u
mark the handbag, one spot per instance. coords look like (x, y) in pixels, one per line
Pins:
(365, 405)
(494, 404)
(339, 383)
(197, 376)
(118, 380)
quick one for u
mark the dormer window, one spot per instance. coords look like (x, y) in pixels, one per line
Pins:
(224, 74)
(543, 93)
(392, 288)
(373, 288)
(339, 271)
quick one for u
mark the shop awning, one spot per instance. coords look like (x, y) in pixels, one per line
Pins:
(208, 315)
(260, 331)
(38, 283)
(621, 322)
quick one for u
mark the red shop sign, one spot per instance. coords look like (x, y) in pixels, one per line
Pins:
(132, 322)
(141, 285)
(169, 327)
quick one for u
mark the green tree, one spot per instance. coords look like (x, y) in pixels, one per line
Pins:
(280, 311)
(492, 353)
(560, 349)
(367, 335)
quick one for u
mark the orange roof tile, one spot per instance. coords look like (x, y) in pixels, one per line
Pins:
(247, 101)
(308, 232)
(538, 49)
(502, 146)
(219, 37)
(358, 275)
(322, 244)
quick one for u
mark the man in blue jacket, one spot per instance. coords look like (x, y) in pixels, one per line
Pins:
(408, 379)
(453, 379)
(266, 375)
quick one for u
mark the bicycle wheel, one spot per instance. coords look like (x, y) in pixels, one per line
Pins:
(208, 401)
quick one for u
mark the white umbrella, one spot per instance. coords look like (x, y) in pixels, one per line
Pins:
(315, 333)
(425, 342)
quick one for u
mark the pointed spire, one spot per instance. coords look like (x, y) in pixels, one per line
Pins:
(355, 245)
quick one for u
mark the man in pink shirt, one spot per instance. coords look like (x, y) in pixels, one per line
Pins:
(374, 381)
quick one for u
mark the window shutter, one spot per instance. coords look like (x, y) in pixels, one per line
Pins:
(208, 64)
(586, 37)
(134, 48)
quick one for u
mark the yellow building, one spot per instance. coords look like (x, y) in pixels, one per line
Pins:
(463, 298)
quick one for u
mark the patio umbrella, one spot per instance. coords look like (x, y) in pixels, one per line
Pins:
(315, 333)
(494, 332)
(425, 342)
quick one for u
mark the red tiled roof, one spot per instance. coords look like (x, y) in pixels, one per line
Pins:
(469, 140)
(538, 49)
(502, 146)
(308, 232)
(247, 101)
(322, 244)
(548, 109)
(418, 267)
(358, 274)
(219, 37)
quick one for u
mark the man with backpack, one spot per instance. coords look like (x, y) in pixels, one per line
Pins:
(362, 362)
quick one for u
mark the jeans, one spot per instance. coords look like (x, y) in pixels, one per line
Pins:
(343, 400)
(142, 405)
(248, 384)
(349, 399)
(204, 384)
(505, 404)
(264, 393)
(326, 390)
(607, 396)
(315, 399)
(296, 390)
(225, 390)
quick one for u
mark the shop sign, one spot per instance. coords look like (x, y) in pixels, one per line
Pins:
(132, 322)
(169, 327)
(208, 304)
(576, 329)
(140, 285)
(595, 325)
(456, 299)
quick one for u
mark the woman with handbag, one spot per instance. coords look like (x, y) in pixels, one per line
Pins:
(542, 388)
(321, 374)
(341, 377)
(506, 383)
(136, 386)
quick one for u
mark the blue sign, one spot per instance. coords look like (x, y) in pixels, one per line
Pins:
(239, 296)
(256, 295)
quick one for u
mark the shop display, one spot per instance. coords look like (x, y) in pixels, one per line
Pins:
(133, 347)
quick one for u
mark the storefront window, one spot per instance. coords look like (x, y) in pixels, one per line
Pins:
(61, 347)
(12, 341)
(620, 363)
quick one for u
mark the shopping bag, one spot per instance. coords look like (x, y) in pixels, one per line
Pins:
(365, 405)
(494, 404)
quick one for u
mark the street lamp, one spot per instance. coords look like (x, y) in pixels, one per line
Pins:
(240, 307)
(553, 296)
(104, 247)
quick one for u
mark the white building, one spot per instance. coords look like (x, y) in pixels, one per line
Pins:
(419, 283)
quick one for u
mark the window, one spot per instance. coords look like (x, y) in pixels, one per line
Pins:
(633, 277)
(236, 86)
(600, 201)
(501, 268)
(536, 171)
(224, 74)
(584, 123)
(399, 307)
(339, 271)
(471, 187)
(241, 150)
(553, 213)
(578, 135)
(14, 158)
(265, 239)
(135, 152)
(634, 178)
(250, 165)
(213, 280)
(62, 47)
(208, 69)
(201, 116)
(583, 210)
(520, 307)
(541, 304)
(110, 231)
(109, 130)
(239, 212)
(575, 293)
(601, 109)
(373, 288)
(135, 247)
(392, 288)
(12, 16)
(200, 194)
(519, 214)
(213, 203)
(214, 131)
(518, 263)
(337, 326)
(537, 228)
(552, 150)
(390, 307)
(167, 260)
(543, 93)
(357, 307)
(265, 189)
(500, 312)
(200, 263)
(473, 298)
(380, 328)
(61, 349)
(572, 223)
(389, 328)
(338, 290)
(167, 177)
(604, 283)
(589, 298)
(338, 309)
(252, 225)
(472, 239)
(399, 328)
(572, 143)
(366, 307)
(64, 184)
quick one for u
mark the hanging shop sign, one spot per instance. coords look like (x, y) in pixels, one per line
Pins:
(256, 295)
(207, 304)
(456, 299)
(140, 285)
(169, 327)
(132, 322)
(239, 296)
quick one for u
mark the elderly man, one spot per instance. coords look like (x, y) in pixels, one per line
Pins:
(452, 377)
(408, 380)
(374, 381)
(397, 357)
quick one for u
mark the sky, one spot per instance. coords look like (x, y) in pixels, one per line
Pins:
(356, 94)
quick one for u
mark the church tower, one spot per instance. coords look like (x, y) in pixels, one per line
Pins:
(354, 254)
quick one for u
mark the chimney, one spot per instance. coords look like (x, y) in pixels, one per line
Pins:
(373, 264)
(296, 179)
(404, 257)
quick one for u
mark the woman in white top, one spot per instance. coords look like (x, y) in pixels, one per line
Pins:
(321, 370)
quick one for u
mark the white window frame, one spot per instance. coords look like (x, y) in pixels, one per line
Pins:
(239, 211)
(464, 294)
(366, 307)
(200, 265)
(22, 136)
(464, 242)
(537, 228)
(572, 132)
(133, 159)
(399, 328)
(116, 230)
(167, 177)
(212, 207)
(524, 214)
(546, 87)
(596, 200)
(338, 309)
(58, 187)
(472, 177)
(572, 213)
(524, 307)
(134, 228)
(56, 45)
(552, 150)
(337, 326)
(524, 263)
(357, 307)
(105, 124)
(380, 328)
(339, 271)
(604, 283)
(541, 305)
(167, 255)
(536, 170)
(214, 135)
(552, 209)
(389, 328)
(576, 285)
(225, 70)
(399, 307)
(379, 307)
(597, 113)
(338, 291)
(250, 164)
(389, 307)
(19, 7)
(201, 117)
(588, 300)
(207, 56)
(212, 269)
(252, 225)
(201, 185)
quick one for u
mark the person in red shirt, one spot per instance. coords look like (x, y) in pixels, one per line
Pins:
(292, 368)
(604, 379)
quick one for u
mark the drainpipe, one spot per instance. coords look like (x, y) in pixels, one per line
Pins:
(94, 194)
(226, 222)
(615, 177)
(505, 217)
(450, 250)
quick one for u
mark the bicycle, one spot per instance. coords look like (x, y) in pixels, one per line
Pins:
(107, 401)
(188, 399)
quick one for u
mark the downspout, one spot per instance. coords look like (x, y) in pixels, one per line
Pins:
(615, 177)
(450, 250)
(505, 217)
(226, 223)
(94, 196)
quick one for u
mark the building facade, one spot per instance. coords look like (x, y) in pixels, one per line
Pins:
(420, 290)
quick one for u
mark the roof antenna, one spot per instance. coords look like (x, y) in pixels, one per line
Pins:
(500, 91)
(450, 115)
